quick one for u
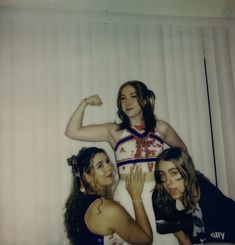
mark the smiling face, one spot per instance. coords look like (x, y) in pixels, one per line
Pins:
(102, 170)
(171, 179)
(130, 104)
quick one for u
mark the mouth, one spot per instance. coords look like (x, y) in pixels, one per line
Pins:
(110, 175)
(172, 191)
(129, 109)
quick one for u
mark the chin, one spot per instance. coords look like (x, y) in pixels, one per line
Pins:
(109, 183)
(175, 197)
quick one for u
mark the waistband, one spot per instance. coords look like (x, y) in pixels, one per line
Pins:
(149, 177)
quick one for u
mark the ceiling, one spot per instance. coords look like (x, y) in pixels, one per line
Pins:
(197, 8)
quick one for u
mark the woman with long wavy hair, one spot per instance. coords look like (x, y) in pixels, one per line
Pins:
(188, 204)
(91, 216)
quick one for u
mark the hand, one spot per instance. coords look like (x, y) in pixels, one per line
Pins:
(135, 182)
(94, 100)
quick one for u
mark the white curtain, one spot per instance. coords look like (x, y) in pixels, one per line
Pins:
(186, 94)
(50, 60)
(222, 97)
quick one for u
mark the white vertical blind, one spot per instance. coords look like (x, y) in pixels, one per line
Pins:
(187, 105)
(49, 62)
(222, 96)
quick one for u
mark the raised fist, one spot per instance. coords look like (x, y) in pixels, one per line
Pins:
(94, 100)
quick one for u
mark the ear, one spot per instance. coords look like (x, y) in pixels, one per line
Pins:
(142, 103)
(152, 101)
(88, 178)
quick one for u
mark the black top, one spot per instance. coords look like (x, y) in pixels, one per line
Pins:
(217, 223)
(86, 236)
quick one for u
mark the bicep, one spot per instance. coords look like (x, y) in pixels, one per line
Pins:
(92, 133)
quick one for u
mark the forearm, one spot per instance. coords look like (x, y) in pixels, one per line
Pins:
(75, 121)
(141, 216)
(182, 238)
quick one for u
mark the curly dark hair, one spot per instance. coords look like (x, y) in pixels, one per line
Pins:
(146, 99)
(81, 164)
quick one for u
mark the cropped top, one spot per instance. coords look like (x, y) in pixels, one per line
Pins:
(138, 147)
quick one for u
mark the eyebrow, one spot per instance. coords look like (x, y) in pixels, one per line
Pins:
(129, 94)
(98, 163)
(169, 170)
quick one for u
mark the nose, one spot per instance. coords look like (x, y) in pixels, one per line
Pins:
(128, 101)
(108, 166)
(168, 180)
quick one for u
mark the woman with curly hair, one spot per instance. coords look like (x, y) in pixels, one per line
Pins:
(137, 139)
(188, 204)
(91, 216)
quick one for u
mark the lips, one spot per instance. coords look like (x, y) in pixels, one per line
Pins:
(172, 191)
(110, 175)
(129, 109)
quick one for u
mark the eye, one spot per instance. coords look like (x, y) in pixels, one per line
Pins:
(174, 173)
(122, 98)
(100, 165)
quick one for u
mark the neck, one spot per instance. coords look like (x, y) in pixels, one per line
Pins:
(139, 127)
(136, 121)
(105, 192)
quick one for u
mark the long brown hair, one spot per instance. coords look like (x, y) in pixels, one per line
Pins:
(183, 162)
(80, 164)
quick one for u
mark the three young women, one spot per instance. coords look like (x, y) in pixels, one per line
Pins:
(137, 140)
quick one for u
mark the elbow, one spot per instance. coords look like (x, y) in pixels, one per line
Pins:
(68, 134)
(148, 240)
(73, 135)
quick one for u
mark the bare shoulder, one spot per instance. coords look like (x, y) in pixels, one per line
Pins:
(113, 211)
(101, 214)
(162, 126)
(111, 208)
(104, 207)
(171, 137)
(114, 131)
(97, 212)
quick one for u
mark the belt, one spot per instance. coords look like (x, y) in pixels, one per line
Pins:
(149, 176)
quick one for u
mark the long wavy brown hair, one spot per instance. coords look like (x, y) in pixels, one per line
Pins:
(81, 164)
(183, 162)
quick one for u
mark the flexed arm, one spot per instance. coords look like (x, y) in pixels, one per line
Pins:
(76, 130)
